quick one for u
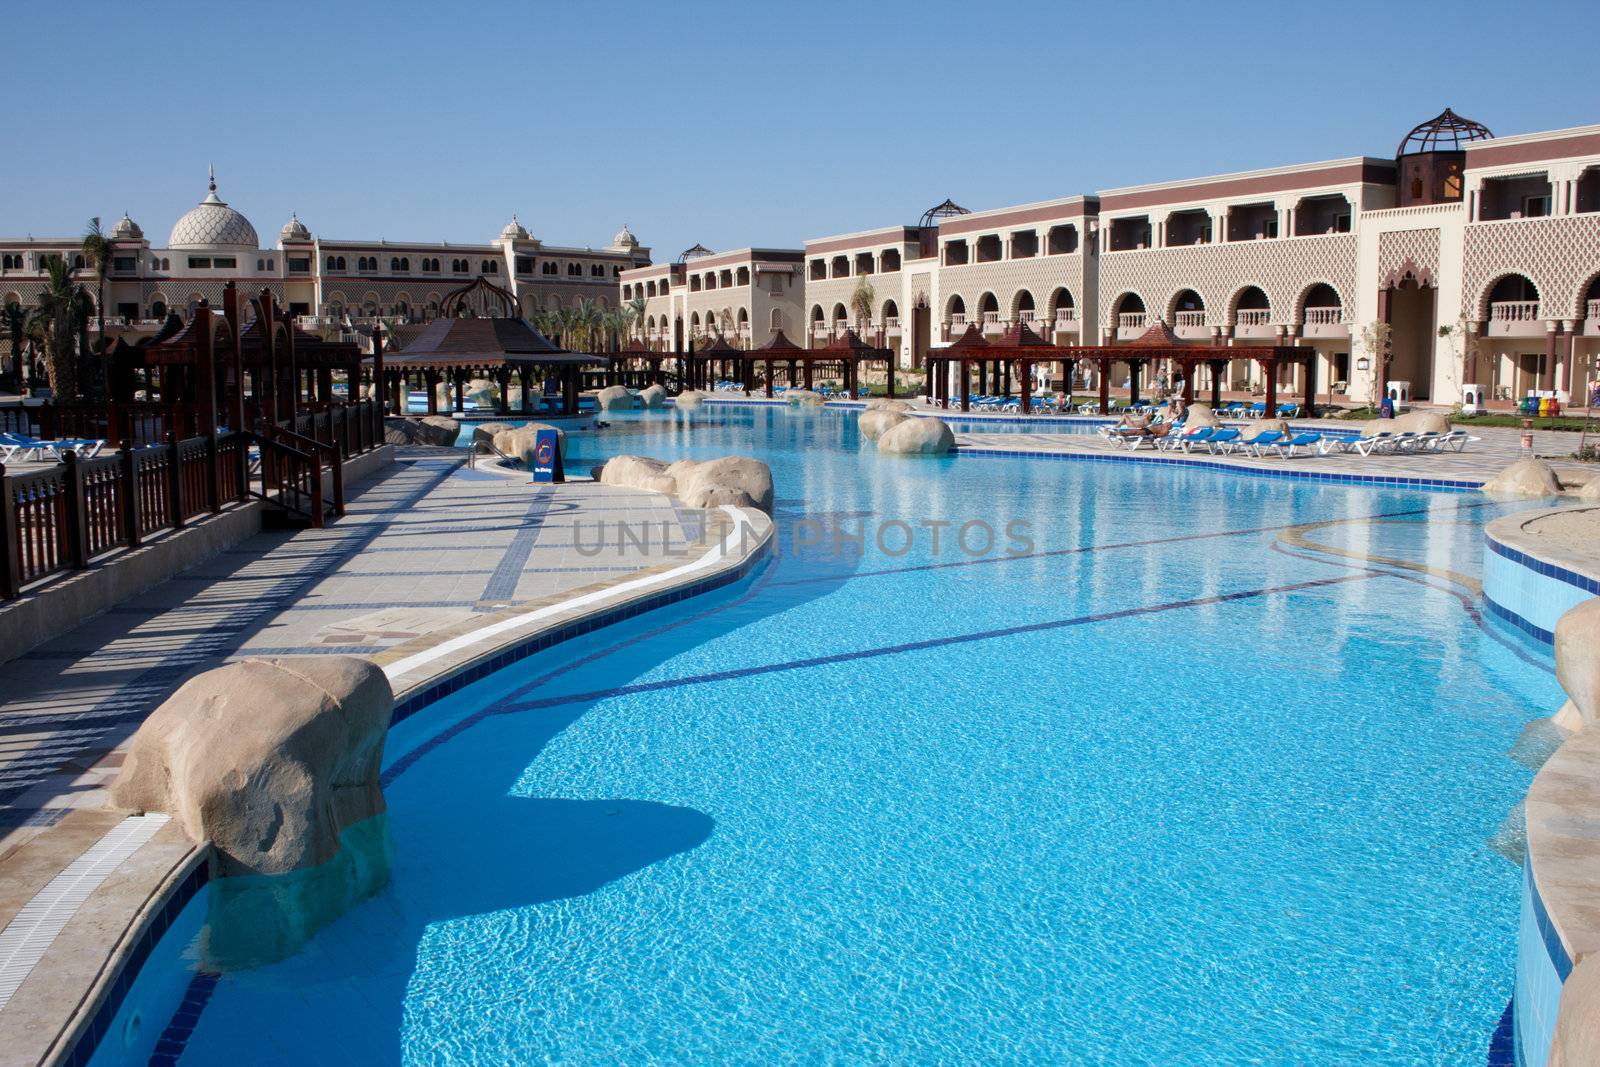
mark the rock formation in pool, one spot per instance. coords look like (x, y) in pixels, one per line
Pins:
(874, 423)
(804, 398)
(738, 480)
(427, 430)
(275, 763)
(518, 442)
(652, 396)
(616, 398)
(690, 399)
(1526, 479)
(927, 436)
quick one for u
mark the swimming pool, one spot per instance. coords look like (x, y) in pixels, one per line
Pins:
(1171, 782)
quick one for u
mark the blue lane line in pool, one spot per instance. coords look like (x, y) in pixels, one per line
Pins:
(930, 643)
(1084, 549)
(502, 584)
(1503, 1043)
(175, 1038)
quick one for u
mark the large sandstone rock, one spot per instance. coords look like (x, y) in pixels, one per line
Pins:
(738, 480)
(268, 760)
(1411, 422)
(616, 398)
(1577, 651)
(1590, 490)
(873, 424)
(804, 398)
(927, 436)
(1576, 1042)
(691, 399)
(1201, 415)
(484, 432)
(1526, 479)
(517, 442)
(883, 403)
(483, 392)
(428, 430)
(636, 472)
(652, 396)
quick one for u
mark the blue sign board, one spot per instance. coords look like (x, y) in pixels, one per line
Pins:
(547, 457)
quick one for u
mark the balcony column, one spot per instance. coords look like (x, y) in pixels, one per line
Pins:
(1551, 328)
(1570, 365)
(1469, 353)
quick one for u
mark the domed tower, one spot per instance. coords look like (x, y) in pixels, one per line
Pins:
(625, 241)
(1431, 158)
(213, 224)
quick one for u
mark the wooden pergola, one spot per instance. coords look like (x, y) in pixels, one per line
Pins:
(463, 344)
(700, 366)
(636, 364)
(845, 351)
(234, 370)
(1160, 343)
(853, 351)
(1017, 347)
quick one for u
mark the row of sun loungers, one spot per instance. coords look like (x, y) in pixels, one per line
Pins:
(1229, 441)
(21, 445)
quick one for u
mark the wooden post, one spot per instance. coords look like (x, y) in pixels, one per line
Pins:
(10, 540)
(1025, 369)
(1311, 387)
(76, 524)
(889, 374)
(966, 391)
(1271, 368)
(131, 520)
(1105, 385)
(1219, 369)
(175, 480)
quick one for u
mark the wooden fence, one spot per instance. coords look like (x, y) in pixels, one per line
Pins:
(68, 515)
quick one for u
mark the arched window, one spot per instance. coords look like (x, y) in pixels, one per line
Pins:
(891, 313)
(664, 287)
(744, 276)
(158, 309)
(649, 288)
(261, 264)
(77, 262)
(575, 270)
(491, 267)
(405, 262)
(166, 264)
(955, 306)
(394, 263)
(777, 319)
(597, 270)
(890, 260)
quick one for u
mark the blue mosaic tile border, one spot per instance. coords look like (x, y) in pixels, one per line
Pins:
(1547, 930)
(175, 1038)
(1326, 477)
(1503, 1042)
(90, 1036)
(1511, 618)
(1548, 570)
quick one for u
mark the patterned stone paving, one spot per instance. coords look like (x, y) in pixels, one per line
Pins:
(424, 547)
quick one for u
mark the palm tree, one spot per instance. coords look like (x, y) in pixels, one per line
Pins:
(15, 321)
(97, 256)
(862, 299)
(59, 309)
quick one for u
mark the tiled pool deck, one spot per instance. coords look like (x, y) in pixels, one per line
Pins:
(433, 570)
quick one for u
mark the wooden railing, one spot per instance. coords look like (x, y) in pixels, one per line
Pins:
(69, 515)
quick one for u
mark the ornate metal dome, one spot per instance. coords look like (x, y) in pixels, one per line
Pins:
(1445, 132)
(514, 231)
(294, 230)
(126, 230)
(942, 211)
(693, 253)
(213, 224)
(624, 238)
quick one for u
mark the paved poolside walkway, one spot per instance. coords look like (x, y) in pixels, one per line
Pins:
(427, 546)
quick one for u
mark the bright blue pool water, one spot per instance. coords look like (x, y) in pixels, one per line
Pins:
(1162, 788)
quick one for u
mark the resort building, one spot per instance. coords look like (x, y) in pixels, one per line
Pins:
(745, 296)
(341, 282)
(1479, 254)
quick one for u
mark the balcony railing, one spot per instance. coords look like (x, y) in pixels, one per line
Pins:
(958, 321)
(1594, 309)
(991, 318)
(1324, 316)
(1254, 316)
(1026, 315)
(1514, 311)
(840, 326)
(1189, 318)
(891, 323)
(1065, 316)
(1130, 320)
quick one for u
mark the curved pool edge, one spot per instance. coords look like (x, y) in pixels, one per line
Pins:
(746, 541)
(1529, 583)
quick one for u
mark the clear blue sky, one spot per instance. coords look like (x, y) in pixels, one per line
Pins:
(727, 124)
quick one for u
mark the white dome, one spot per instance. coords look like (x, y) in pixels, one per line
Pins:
(213, 224)
(514, 231)
(126, 229)
(294, 230)
(624, 238)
